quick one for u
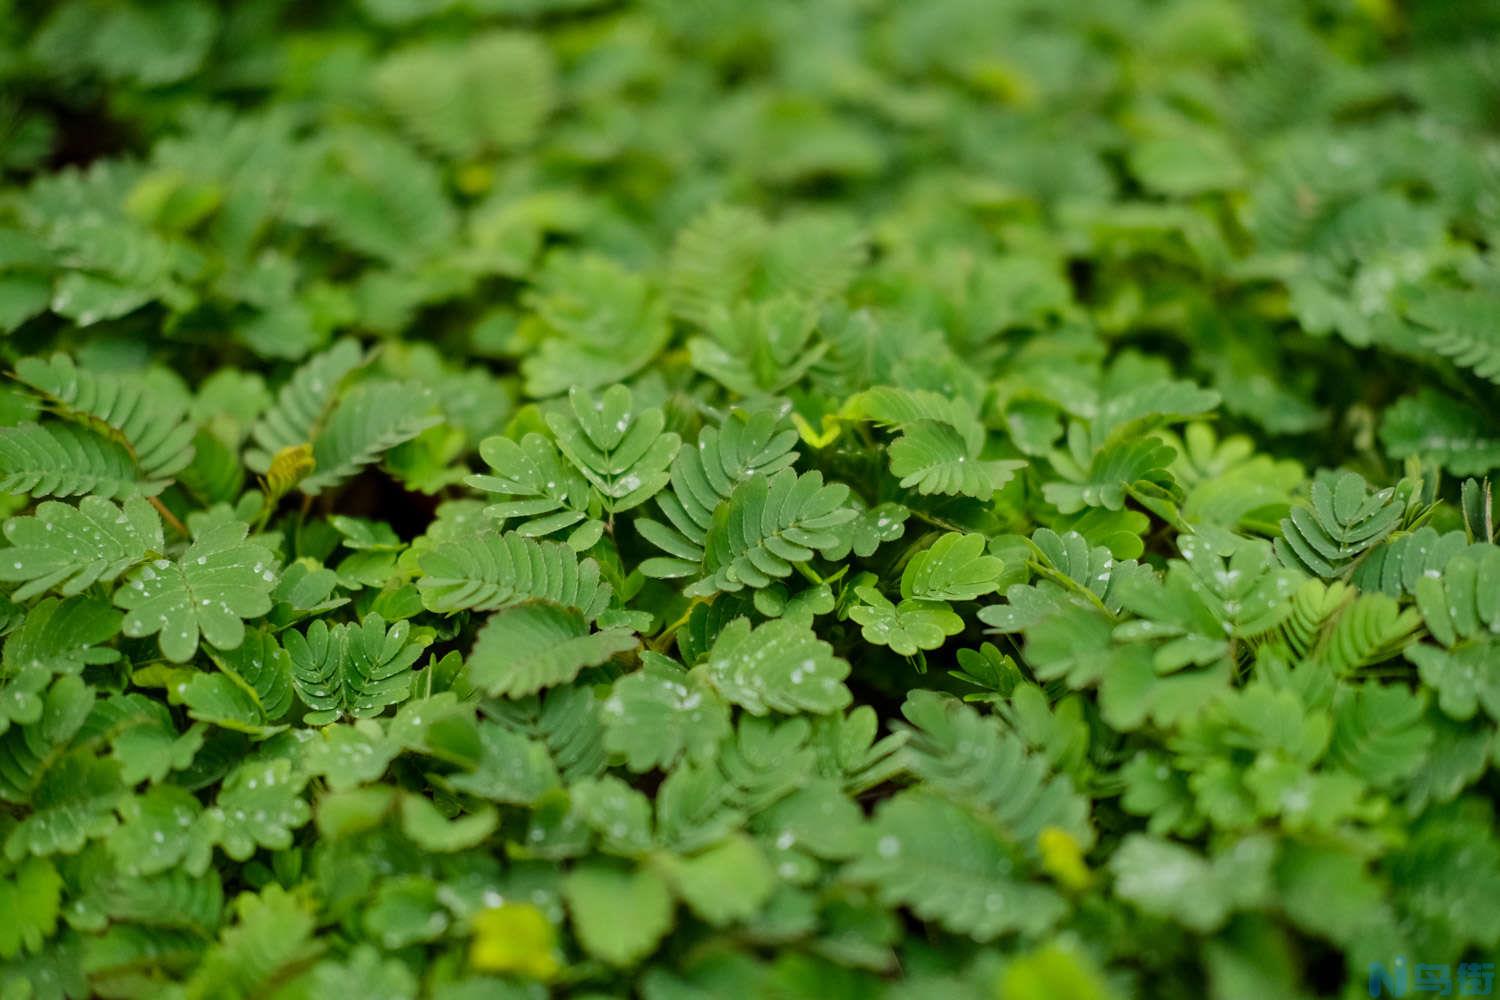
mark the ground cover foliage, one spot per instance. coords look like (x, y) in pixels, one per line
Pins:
(509, 498)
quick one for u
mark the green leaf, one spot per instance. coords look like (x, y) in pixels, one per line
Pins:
(713, 260)
(272, 936)
(147, 744)
(212, 587)
(160, 443)
(253, 690)
(906, 627)
(374, 195)
(493, 91)
(544, 495)
(1328, 891)
(619, 915)
(42, 739)
(74, 806)
(661, 712)
(1167, 880)
(1464, 678)
(425, 825)
(303, 404)
(352, 670)
(973, 759)
(161, 830)
(1112, 474)
(64, 461)
(625, 454)
(1446, 875)
(932, 457)
(1435, 427)
(1462, 601)
(953, 568)
(1054, 971)
(22, 296)
(493, 571)
(932, 856)
(1342, 520)
(1186, 164)
(349, 756)
(604, 324)
(619, 814)
(61, 637)
(72, 548)
(259, 806)
(370, 420)
(746, 444)
(524, 649)
(510, 768)
(1378, 733)
(768, 525)
(1461, 326)
(817, 818)
(29, 896)
(366, 974)
(725, 884)
(779, 666)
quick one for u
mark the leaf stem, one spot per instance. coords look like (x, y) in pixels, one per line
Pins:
(169, 517)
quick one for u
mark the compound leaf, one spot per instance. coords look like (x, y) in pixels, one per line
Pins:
(523, 649)
(210, 589)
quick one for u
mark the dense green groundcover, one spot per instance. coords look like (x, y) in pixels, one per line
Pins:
(839, 499)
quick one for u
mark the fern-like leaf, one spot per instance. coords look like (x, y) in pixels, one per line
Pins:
(353, 670)
(1464, 602)
(1112, 473)
(1343, 520)
(953, 568)
(372, 419)
(713, 261)
(1463, 327)
(303, 404)
(252, 690)
(373, 193)
(948, 866)
(730, 254)
(624, 453)
(603, 324)
(493, 91)
(940, 444)
(539, 493)
(768, 525)
(523, 649)
(27, 752)
(779, 666)
(63, 460)
(1397, 565)
(932, 457)
(745, 445)
(1379, 734)
(272, 936)
(1369, 629)
(972, 758)
(491, 571)
(160, 442)
(72, 548)
(1436, 427)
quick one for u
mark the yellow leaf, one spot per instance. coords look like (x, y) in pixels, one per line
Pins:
(1063, 859)
(516, 938)
(290, 466)
(814, 437)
